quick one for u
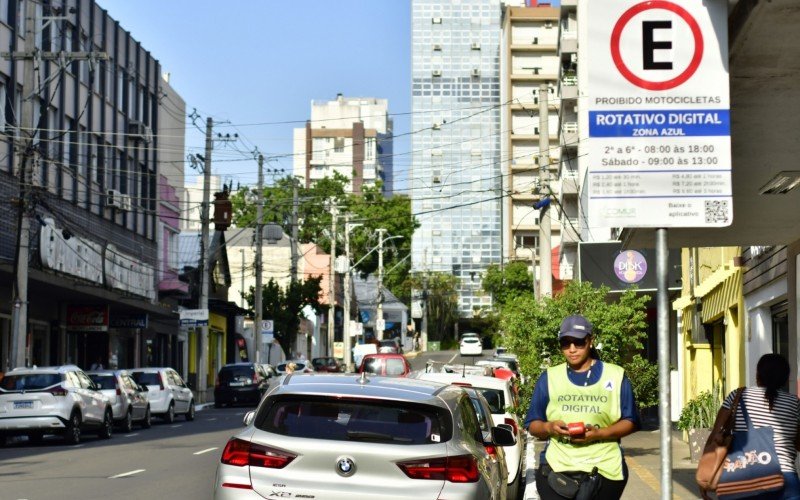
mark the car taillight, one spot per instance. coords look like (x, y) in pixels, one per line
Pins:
(216, 381)
(513, 424)
(240, 453)
(459, 469)
(255, 378)
(161, 381)
(491, 450)
(119, 391)
(58, 391)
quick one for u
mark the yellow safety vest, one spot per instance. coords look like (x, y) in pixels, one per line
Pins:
(595, 404)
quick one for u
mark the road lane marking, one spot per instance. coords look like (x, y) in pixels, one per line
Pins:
(131, 435)
(451, 359)
(210, 419)
(205, 451)
(176, 426)
(126, 474)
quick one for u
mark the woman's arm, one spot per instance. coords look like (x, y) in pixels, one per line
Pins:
(545, 429)
(613, 432)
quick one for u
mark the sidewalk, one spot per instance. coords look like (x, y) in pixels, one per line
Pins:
(643, 455)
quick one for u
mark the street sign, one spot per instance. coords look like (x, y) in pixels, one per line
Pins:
(359, 329)
(338, 349)
(416, 308)
(658, 112)
(380, 324)
(267, 327)
(193, 317)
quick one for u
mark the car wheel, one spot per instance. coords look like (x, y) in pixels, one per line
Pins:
(35, 437)
(147, 422)
(169, 417)
(127, 424)
(107, 427)
(72, 434)
(190, 414)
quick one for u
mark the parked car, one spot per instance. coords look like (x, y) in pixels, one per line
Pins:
(129, 401)
(390, 346)
(300, 366)
(361, 350)
(343, 437)
(497, 466)
(386, 365)
(52, 400)
(240, 383)
(167, 393)
(327, 364)
(470, 346)
(270, 370)
(501, 397)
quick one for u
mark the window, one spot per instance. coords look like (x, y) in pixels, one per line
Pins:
(338, 144)
(469, 421)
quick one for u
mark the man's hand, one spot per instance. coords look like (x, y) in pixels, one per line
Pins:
(557, 428)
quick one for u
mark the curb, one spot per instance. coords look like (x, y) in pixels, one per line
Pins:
(412, 355)
(203, 406)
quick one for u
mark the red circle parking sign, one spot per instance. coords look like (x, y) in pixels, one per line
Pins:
(623, 68)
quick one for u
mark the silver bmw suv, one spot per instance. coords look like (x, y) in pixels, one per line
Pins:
(348, 436)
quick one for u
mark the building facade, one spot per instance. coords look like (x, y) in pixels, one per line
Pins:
(529, 58)
(93, 196)
(351, 136)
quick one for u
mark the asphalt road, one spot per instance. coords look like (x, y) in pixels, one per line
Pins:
(451, 357)
(175, 462)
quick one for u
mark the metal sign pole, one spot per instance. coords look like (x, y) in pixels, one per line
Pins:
(662, 301)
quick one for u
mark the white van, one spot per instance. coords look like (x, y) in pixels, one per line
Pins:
(360, 350)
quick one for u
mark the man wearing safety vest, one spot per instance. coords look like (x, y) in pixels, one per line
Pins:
(583, 408)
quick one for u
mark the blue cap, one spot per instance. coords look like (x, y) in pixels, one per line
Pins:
(575, 326)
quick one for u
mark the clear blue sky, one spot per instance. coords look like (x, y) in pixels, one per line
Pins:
(258, 61)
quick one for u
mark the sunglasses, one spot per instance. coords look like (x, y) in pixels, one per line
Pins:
(578, 343)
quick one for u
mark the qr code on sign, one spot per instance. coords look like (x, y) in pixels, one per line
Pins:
(716, 211)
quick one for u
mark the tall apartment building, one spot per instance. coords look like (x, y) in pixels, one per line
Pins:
(455, 179)
(94, 192)
(352, 136)
(529, 59)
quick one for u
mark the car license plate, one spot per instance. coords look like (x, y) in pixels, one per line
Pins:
(236, 384)
(23, 405)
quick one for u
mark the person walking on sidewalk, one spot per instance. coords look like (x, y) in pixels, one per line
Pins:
(583, 408)
(769, 405)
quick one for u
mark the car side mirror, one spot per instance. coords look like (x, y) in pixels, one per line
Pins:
(249, 417)
(503, 435)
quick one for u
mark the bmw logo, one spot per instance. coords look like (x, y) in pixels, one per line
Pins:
(345, 466)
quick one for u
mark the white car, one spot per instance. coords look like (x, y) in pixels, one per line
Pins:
(470, 346)
(167, 393)
(52, 400)
(500, 396)
(128, 399)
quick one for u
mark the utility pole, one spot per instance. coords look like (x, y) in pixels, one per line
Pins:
(294, 245)
(379, 323)
(257, 299)
(26, 132)
(347, 338)
(205, 258)
(545, 265)
(332, 280)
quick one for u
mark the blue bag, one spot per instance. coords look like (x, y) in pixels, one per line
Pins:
(751, 467)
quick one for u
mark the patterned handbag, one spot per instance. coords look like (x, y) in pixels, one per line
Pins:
(751, 467)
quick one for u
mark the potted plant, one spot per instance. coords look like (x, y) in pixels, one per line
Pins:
(697, 419)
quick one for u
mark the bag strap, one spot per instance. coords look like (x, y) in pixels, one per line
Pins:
(730, 422)
(746, 415)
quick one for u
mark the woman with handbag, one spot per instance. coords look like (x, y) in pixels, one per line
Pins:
(583, 408)
(770, 405)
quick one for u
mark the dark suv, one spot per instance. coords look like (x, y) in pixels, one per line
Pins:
(240, 383)
(326, 365)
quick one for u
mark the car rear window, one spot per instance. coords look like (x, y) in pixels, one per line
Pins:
(235, 373)
(395, 366)
(146, 378)
(104, 381)
(373, 365)
(494, 397)
(356, 420)
(29, 381)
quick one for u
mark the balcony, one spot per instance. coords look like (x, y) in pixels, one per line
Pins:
(569, 231)
(569, 133)
(569, 182)
(569, 43)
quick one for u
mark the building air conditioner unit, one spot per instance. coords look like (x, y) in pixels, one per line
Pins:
(476, 72)
(437, 46)
(476, 46)
(548, 24)
(437, 72)
(114, 199)
(138, 131)
(437, 179)
(436, 20)
(436, 126)
(536, 40)
(573, 58)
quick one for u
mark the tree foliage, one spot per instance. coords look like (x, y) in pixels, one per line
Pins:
(285, 306)
(370, 208)
(531, 330)
(441, 301)
(512, 280)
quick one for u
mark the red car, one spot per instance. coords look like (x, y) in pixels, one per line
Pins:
(385, 365)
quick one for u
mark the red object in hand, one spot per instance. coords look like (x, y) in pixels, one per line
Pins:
(576, 429)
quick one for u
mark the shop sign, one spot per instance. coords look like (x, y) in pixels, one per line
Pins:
(129, 321)
(87, 318)
(193, 317)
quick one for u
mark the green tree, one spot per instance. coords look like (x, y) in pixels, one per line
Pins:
(531, 330)
(285, 306)
(441, 301)
(510, 281)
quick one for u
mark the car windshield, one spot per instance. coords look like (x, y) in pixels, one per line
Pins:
(343, 420)
(297, 366)
(29, 381)
(319, 362)
(388, 343)
(395, 366)
(235, 373)
(494, 397)
(104, 381)
(146, 378)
